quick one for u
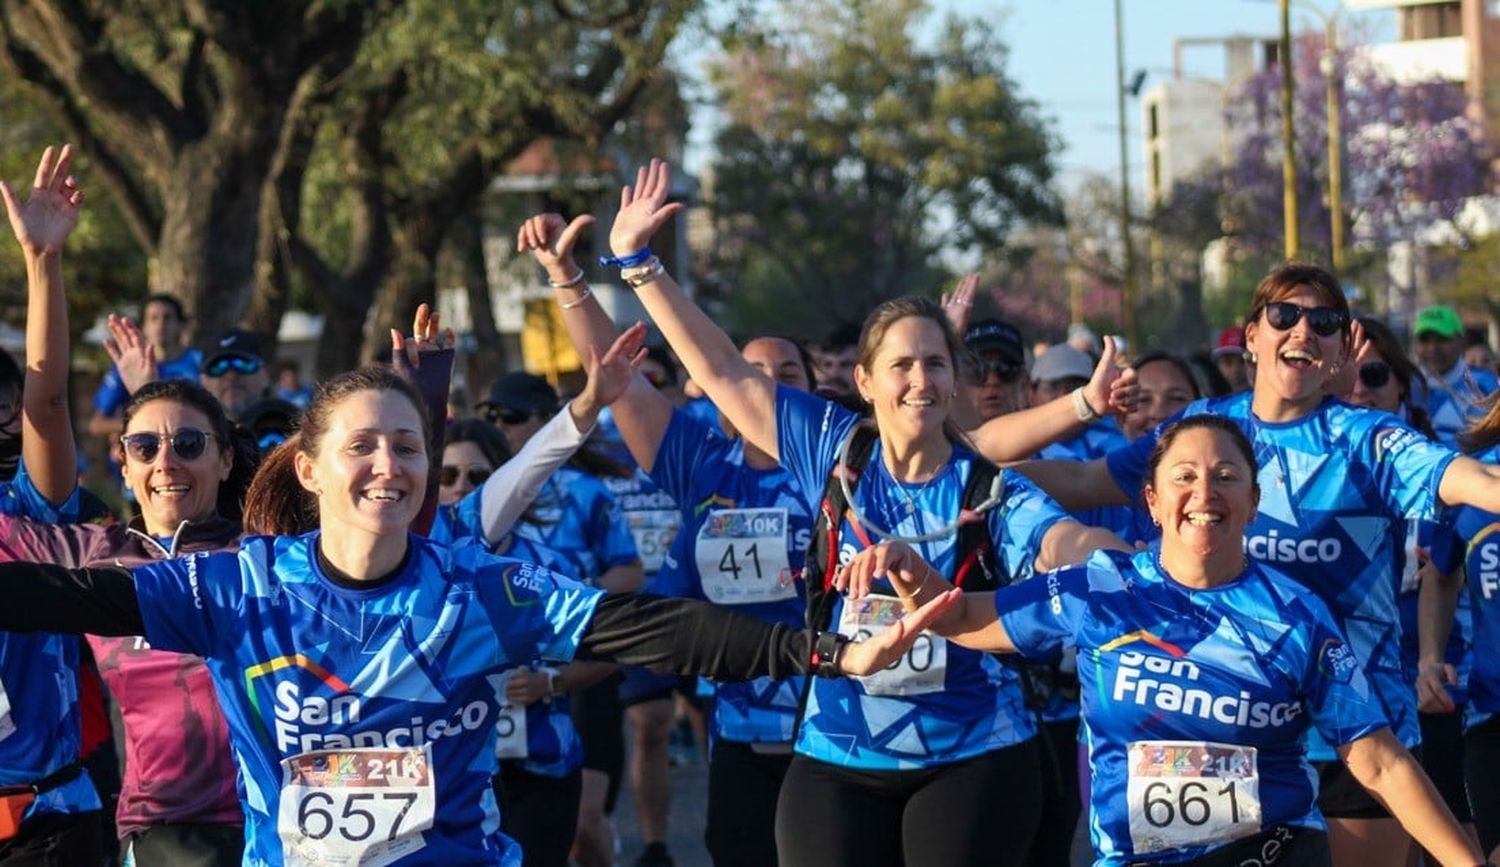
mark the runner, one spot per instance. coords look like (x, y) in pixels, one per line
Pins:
(1455, 391)
(1204, 669)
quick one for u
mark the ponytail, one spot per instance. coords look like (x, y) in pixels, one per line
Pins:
(277, 504)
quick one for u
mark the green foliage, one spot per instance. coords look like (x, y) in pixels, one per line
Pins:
(855, 152)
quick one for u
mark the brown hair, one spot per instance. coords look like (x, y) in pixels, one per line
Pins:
(1484, 431)
(1287, 279)
(1202, 421)
(276, 503)
(880, 320)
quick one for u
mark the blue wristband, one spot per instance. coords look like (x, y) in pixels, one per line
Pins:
(639, 257)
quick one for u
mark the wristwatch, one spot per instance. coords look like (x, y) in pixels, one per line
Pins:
(827, 648)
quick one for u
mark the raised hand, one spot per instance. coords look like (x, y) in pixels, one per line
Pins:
(426, 336)
(133, 356)
(873, 654)
(50, 213)
(643, 209)
(1341, 376)
(958, 305)
(1113, 388)
(551, 240)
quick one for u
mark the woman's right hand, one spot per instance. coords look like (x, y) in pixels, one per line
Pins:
(133, 356)
(643, 209)
(860, 658)
(43, 223)
(609, 377)
(893, 561)
(551, 239)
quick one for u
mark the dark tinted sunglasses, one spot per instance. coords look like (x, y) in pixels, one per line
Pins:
(187, 444)
(1374, 374)
(1007, 372)
(503, 415)
(475, 475)
(1324, 321)
(241, 364)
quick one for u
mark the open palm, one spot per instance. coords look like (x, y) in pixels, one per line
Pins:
(643, 209)
(48, 216)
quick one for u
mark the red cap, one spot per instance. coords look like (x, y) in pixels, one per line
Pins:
(1231, 341)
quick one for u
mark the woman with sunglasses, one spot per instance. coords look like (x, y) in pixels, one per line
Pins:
(1339, 484)
(359, 666)
(745, 528)
(1206, 672)
(935, 761)
(49, 809)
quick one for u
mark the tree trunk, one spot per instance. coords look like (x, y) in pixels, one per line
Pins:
(411, 281)
(487, 360)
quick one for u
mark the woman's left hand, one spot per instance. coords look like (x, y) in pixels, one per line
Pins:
(426, 337)
(959, 306)
(610, 376)
(643, 209)
(860, 658)
(893, 561)
(43, 223)
(1113, 388)
(1340, 382)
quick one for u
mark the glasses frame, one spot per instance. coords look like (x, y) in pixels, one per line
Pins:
(244, 365)
(1324, 321)
(179, 439)
(476, 475)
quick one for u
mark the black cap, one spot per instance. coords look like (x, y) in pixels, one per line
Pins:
(234, 342)
(998, 337)
(523, 392)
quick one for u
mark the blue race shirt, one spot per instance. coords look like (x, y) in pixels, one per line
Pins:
(1457, 398)
(744, 535)
(40, 728)
(1194, 701)
(112, 396)
(1480, 532)
(649, 513)
(941, 703)
(363, 721)
(1095, 441)
(577, 517)
(1337, 487)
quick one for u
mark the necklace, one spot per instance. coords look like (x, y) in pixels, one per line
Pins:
(910, 496)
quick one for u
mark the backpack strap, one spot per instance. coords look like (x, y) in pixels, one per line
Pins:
(822, 559)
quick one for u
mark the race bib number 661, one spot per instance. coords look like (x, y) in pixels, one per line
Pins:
(355, 806)
(1191, 793)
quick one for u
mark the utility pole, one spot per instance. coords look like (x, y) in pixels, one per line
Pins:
(1330, 69)
(1288, 147)
(1128, 288)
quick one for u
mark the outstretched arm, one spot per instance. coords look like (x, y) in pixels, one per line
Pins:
(1076, 486)
(1384, 767)
(746, 396)
(1468, 482)
(42, 225)
(45, 598)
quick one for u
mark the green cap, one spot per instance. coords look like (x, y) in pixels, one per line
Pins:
(1439, 320)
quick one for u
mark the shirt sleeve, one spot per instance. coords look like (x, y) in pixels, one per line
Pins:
(19, 497)
(1407, 467)
(1020, 523)
(1337, 696)
(686, 445)
(809, 433)
(512, 488)
(1043, 615)
(111, 394)
(538, 613)
(179, 597)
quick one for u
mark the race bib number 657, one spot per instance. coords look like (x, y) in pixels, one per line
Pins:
(1191, 793)
(355, 806)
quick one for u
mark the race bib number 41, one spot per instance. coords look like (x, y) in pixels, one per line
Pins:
(356, 806)
(1191, 793)
(742, 558)
(921, 670)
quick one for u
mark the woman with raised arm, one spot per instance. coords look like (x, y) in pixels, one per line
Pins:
(1204, 672)
(1340, 483)
(360, 666)
(745, 529)
(932, 762)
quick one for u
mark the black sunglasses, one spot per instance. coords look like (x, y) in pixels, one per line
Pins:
(1007, 372)
(503, 415)
(476, 475)
(1325, 321)
(241, 364)
(188, 444)
(1374, 374)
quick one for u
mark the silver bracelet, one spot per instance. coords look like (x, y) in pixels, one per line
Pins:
(587, 294)
(571, 283)
(644, 274)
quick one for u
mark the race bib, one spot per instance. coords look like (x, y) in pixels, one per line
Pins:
(653, 531)
(922, 669)
(7, 725)
(1191, 793)
(742, 557)
(510, 727)
(355, 806)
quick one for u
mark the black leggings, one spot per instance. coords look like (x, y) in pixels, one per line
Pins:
(188, 844)
(743, 786)
(1481, 758)
(539, 812)
(981, 811)
(1058, 754)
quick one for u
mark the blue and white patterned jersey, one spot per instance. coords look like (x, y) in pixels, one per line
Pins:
(363, 720)
(547, 743)
(744, 535)
(941, 703)
(1195, 701)
(577, 517)
(39, 722)
(1445, 551)
(1457, 398)
(1480, 532)
(1337, 487)
(651, 515)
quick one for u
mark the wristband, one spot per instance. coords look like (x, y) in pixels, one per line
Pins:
(639, 257)
(825, 655)
(571, 283)
(1082, 407)
(644, 274)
